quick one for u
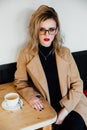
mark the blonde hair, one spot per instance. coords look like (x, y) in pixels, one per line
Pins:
(41, 14)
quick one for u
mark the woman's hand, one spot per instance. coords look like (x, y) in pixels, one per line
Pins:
(61, 116)
(36, 103)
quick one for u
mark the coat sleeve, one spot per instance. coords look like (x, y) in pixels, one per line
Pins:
(75, 85)
(23, 83)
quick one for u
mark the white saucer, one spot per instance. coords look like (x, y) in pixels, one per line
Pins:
(18, 106)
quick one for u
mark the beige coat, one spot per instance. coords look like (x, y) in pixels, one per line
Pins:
(70, 83)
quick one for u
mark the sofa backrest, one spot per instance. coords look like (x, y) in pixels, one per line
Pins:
(81, 61)
(7, 71)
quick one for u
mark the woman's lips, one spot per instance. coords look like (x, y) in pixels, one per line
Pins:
(46, 39)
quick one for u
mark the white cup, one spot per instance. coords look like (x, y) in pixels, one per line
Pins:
(11, 99)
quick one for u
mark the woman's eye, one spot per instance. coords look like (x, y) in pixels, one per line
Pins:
(52, 29)
(42, 29)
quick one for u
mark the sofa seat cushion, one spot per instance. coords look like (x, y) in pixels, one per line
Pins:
(85, 92)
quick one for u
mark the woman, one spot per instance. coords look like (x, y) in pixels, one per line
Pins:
(46, 68)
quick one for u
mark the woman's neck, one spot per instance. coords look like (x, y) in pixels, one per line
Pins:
(45, 50)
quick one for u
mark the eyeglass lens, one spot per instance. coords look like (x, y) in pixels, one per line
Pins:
(50, 31)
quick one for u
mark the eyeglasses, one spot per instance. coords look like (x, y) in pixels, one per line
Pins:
(50, 31)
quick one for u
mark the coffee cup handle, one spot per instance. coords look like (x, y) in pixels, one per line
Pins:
(19, 102)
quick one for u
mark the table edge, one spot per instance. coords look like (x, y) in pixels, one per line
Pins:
(41, 124)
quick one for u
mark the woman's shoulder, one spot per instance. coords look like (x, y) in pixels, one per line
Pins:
(27, 53)
(29, 49)
(65, 53)
(64, 50)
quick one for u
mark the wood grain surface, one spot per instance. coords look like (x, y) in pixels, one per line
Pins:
(26, 118)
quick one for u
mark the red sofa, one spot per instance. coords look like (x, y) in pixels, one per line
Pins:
(85, 92)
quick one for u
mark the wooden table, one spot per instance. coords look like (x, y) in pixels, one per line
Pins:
(26, 118)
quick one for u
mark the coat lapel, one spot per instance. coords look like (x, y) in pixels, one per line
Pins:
(62, 67)
(35, 68)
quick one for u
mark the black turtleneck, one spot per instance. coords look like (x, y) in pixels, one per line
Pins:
(51, 72)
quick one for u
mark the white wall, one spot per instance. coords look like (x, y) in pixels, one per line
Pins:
(14, 19)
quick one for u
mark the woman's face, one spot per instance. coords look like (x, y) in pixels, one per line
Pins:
(47, 32)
